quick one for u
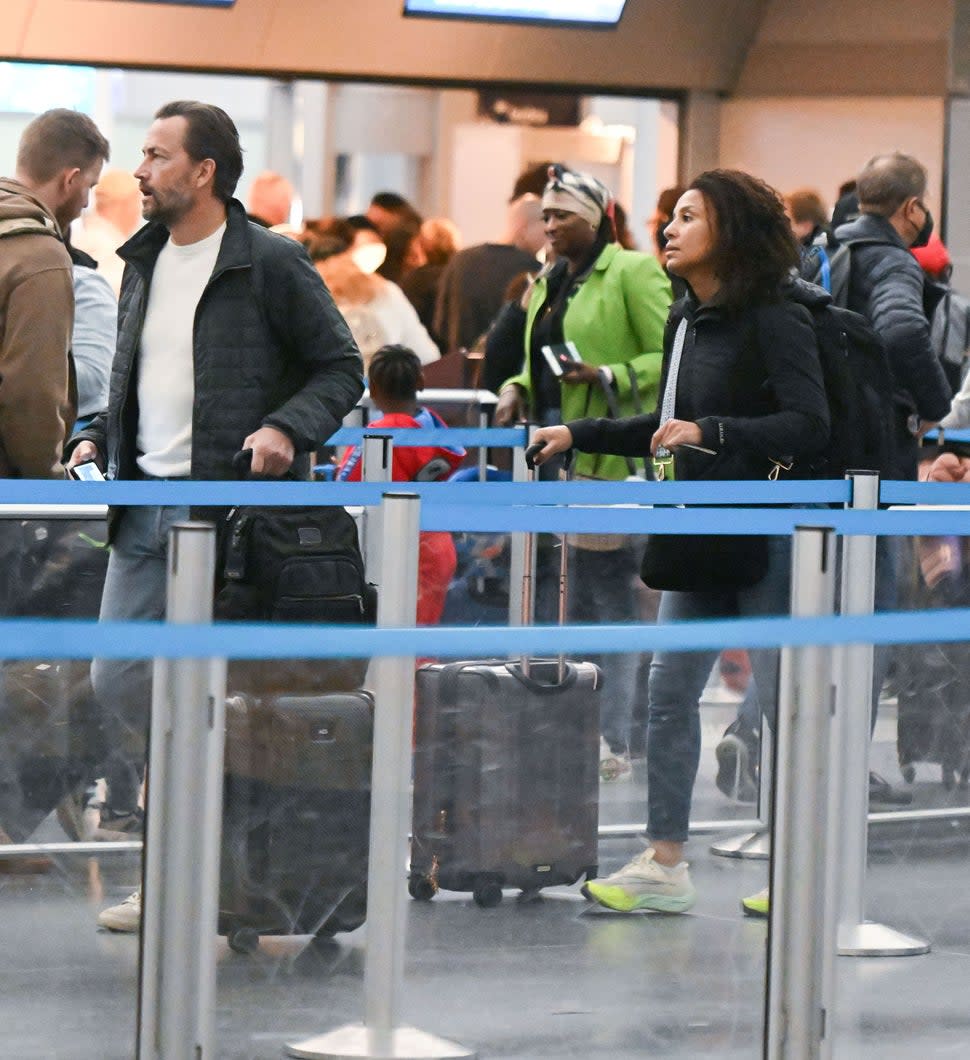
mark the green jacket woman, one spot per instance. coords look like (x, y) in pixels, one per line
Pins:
(613, 309)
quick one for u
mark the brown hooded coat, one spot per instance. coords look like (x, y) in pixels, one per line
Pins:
(38, 398)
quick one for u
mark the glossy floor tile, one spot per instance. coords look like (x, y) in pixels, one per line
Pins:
(551, 978)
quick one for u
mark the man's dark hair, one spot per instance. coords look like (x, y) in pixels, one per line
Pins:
(888, 181)
(360, 223)
(399, 206)
(395, 371)
(211, 134)
(391, 201)
(754, 248)
(57, 140)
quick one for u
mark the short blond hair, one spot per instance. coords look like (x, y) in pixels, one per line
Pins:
(60, 139)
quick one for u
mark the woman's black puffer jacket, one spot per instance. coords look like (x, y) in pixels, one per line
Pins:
(751, 380)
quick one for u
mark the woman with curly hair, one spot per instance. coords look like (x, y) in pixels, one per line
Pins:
(742, 396)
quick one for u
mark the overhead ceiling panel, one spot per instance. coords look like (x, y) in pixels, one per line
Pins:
(665, 45)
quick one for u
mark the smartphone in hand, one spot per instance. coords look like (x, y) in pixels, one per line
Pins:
(86, 471)
(561, 357)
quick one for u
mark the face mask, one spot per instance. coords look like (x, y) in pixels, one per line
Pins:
(369, 257)
(923, 235)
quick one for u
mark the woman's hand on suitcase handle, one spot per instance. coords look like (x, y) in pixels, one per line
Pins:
(546, 442)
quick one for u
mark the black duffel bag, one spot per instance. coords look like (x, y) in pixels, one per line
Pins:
(301, 565)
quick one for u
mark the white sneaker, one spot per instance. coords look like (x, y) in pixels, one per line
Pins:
(644, 884)
(126, 916)
(614, 766)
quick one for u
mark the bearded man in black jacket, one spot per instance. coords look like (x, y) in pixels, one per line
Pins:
(227, 340)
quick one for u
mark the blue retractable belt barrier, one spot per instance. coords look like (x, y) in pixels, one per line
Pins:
(72, 639)
(489, 494)
(411, 437)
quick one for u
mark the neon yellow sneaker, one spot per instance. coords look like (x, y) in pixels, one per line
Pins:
(642, 884)
(756, 904)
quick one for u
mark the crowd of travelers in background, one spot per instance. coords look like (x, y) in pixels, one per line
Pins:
(698, 355)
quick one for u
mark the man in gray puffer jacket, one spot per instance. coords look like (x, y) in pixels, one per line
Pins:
(886, 287)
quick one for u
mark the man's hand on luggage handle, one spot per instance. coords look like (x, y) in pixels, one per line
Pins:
(273, 452)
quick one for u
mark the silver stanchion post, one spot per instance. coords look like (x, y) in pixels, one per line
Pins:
(180, 896)
(377, 456)
(522, 554)
(795, 1006)
(381, 1035)
(857, 937)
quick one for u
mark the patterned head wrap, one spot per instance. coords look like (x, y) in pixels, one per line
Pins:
(577, 193)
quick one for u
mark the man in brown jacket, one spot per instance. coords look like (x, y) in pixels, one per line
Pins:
(59, 160)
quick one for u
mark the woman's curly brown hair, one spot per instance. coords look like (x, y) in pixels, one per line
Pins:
(754, 247)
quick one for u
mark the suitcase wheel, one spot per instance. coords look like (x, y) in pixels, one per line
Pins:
(421, 888)
(909, 773)
(487, 894)
(243, 940)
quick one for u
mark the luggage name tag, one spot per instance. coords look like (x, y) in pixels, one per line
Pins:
(234, 569)
(663, 464)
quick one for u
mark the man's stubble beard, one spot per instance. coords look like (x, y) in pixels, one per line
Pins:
(167, 213)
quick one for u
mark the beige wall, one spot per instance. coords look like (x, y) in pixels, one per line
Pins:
(822, 142)
(662, 44)
(850, 47)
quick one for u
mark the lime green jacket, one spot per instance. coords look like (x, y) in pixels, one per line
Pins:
(616, 317)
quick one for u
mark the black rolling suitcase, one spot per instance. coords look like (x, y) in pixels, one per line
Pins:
(506, 774)
(50, 731)
(296, 815)
(933, 710)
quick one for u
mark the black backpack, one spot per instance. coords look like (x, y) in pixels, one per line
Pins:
(949, 316)
(858, 386)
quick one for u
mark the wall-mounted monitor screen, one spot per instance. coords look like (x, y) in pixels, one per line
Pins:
(564, 12)
(193, 3)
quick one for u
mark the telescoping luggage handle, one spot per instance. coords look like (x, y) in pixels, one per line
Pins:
(528, 574)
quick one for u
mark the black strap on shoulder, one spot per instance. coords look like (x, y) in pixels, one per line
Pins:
(614, 407)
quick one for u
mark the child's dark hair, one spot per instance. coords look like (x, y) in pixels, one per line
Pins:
(395, 370)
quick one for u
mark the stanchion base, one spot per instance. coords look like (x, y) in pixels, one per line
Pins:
(356, 1040)
(869, 939)
(753, 846)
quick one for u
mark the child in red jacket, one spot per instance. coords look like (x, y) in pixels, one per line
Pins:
(394, 377)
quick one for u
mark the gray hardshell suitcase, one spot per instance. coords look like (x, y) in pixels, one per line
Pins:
(506, 782)
(506, 774)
